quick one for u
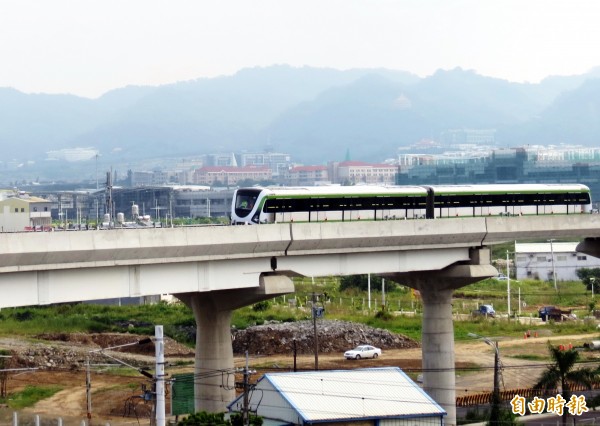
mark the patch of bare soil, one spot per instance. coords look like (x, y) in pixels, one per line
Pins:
(118, 399)
(60, 360)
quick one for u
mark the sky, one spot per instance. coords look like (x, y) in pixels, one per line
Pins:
(87, 48)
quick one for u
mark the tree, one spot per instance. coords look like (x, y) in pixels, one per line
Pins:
(360, 282)
(562, 373)
(590, 277)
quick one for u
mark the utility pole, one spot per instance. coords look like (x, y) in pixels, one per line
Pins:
(160, 375)
(245, 412)
(508, 283)
(551, 240)
(495, 410)
(369, 290)
(314, 315)
(88, 387)
(246, 388)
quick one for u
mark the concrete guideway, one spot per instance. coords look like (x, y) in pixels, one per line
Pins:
(31, 251)
(217, 269)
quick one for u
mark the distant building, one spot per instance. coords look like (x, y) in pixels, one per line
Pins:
(469, 136)
(231, 176)
(539, 260)
(306, 175)
(479, 165)
(221, 159)
(278, 162)
(362, 397)
(73, 154)
(163, 202)
(150, 178)
(24, 213)
(358, 172)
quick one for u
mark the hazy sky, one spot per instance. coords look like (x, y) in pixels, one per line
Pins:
(89, 47)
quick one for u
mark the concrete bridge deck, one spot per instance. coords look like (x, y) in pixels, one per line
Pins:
(36, 251)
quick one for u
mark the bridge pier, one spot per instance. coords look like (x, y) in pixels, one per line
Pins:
(214, 381)
(589, 246)
(436, 289)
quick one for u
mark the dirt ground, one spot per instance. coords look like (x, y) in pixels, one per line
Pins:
(114, 396)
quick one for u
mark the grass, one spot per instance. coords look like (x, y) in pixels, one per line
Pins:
(349, 305)
(29, 396)
(119, 371)
(107, 389)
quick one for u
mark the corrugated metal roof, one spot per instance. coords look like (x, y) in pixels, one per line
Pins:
(354, 394)
(564, 247)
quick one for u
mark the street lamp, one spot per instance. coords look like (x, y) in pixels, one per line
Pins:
(495, 411)
(88, 378)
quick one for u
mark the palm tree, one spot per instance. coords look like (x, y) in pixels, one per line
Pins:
(562, 373)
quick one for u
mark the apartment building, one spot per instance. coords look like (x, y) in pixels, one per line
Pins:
(230, 176)
(306, 176)
(358, 172)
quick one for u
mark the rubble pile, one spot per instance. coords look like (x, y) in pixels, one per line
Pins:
(334, 336)
(69, 351)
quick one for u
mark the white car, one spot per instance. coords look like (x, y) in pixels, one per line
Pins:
(363, 351)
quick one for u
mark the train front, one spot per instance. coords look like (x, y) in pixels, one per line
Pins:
(244, 208)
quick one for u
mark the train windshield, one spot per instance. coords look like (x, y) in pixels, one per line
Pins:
(245, 200)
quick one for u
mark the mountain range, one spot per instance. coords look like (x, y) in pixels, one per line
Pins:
(311, 113)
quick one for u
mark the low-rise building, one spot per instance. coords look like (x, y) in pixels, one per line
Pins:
(540, 261)
(357, 172)
(24, 213)
(363, 397)
(230, 176)
(306, 175)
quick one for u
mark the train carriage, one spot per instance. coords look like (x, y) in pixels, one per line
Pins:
(369, 202)
(509, 200)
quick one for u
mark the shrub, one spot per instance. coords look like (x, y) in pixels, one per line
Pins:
(261, 306)
(383, 315)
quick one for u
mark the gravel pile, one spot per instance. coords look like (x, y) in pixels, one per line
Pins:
(334, 336)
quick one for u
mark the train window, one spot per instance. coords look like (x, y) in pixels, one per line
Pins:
(245, 202)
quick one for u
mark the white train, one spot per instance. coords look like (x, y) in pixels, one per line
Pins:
(365, 202)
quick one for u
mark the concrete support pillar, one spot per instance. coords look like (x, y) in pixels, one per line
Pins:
(214, 382)
(438, 350)
(437, 339)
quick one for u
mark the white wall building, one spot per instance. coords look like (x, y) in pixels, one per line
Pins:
(539, 260)
(363, 397)
(24, 213)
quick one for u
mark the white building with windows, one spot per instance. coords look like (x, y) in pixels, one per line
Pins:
(539, 261)
(24, 213)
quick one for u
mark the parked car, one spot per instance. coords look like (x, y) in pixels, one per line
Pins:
(500, 277)
(363, 351)
(553, 313)
(485, 310)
